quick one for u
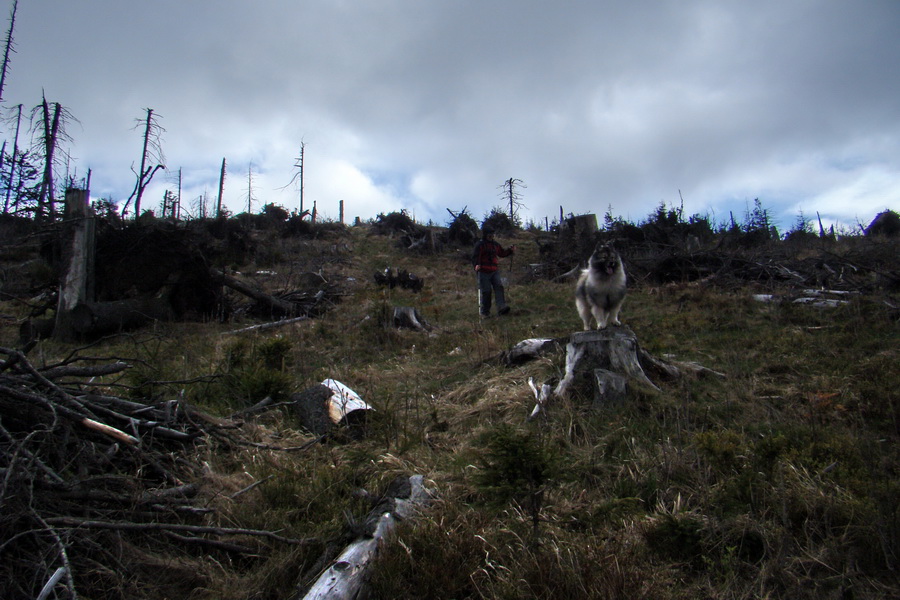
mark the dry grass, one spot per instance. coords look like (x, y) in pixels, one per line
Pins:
(780, 482)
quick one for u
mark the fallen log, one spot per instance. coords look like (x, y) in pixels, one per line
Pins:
(33, 330)
(104, 318)
(346, 578)
(270, 325)
(331, 404)
(529, 349)
(275, 304)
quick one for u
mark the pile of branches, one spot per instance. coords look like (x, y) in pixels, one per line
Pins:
(861, 265)
(84, 477)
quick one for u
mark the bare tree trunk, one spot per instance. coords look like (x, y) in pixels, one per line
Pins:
(221, 189)
(302, 151)
(250, 188)
(140, 189)
(178, 200)
(8, 50)
(2, 160)
(12, 166)
(51, 128)
(75, 284)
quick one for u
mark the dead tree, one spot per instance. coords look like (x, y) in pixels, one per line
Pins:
(75, 287)
(152, 151)
(13, 161)
(50, 133)
(511, 194)
(221, 189)
(348, 575)
(9, 47)
(277, 305)
(250, 197)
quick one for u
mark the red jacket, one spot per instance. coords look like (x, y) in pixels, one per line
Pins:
(487, 254)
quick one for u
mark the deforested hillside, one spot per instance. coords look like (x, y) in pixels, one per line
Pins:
(192, 454)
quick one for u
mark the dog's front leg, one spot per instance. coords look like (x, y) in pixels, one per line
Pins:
(614, 316)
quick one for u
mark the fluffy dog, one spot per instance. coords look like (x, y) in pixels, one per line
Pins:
(600, 290)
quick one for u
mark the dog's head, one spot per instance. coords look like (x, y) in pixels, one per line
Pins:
(605, 260)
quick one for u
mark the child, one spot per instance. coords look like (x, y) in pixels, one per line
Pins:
(485, 258)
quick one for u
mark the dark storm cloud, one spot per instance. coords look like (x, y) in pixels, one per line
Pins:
(432, 105)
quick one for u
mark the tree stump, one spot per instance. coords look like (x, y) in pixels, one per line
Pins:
(605, 363)
(610, 354)
(409, 317)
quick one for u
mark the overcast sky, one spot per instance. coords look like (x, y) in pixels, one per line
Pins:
(429, 105)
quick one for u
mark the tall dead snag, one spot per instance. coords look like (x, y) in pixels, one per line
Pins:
(221, 190)
(50, 125)
(76, 287)
(9, 46)
(152, 152)
(511, 194)
(14, 158)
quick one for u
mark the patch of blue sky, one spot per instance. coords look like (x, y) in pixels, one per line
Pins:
(395, 183)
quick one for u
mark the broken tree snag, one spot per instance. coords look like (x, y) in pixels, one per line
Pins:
(580, 226)
(75, 287)
(331, 404)
(409, 317)
(348, 575)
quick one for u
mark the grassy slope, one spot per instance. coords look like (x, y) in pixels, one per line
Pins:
(780, 481)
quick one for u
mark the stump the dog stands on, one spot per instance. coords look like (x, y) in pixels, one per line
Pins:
(605, 363)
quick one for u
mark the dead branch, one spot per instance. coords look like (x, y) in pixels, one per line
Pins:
(71, 522)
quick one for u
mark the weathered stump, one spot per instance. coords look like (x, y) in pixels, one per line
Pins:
(409, 317)
(603, 360)
(605, 363)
